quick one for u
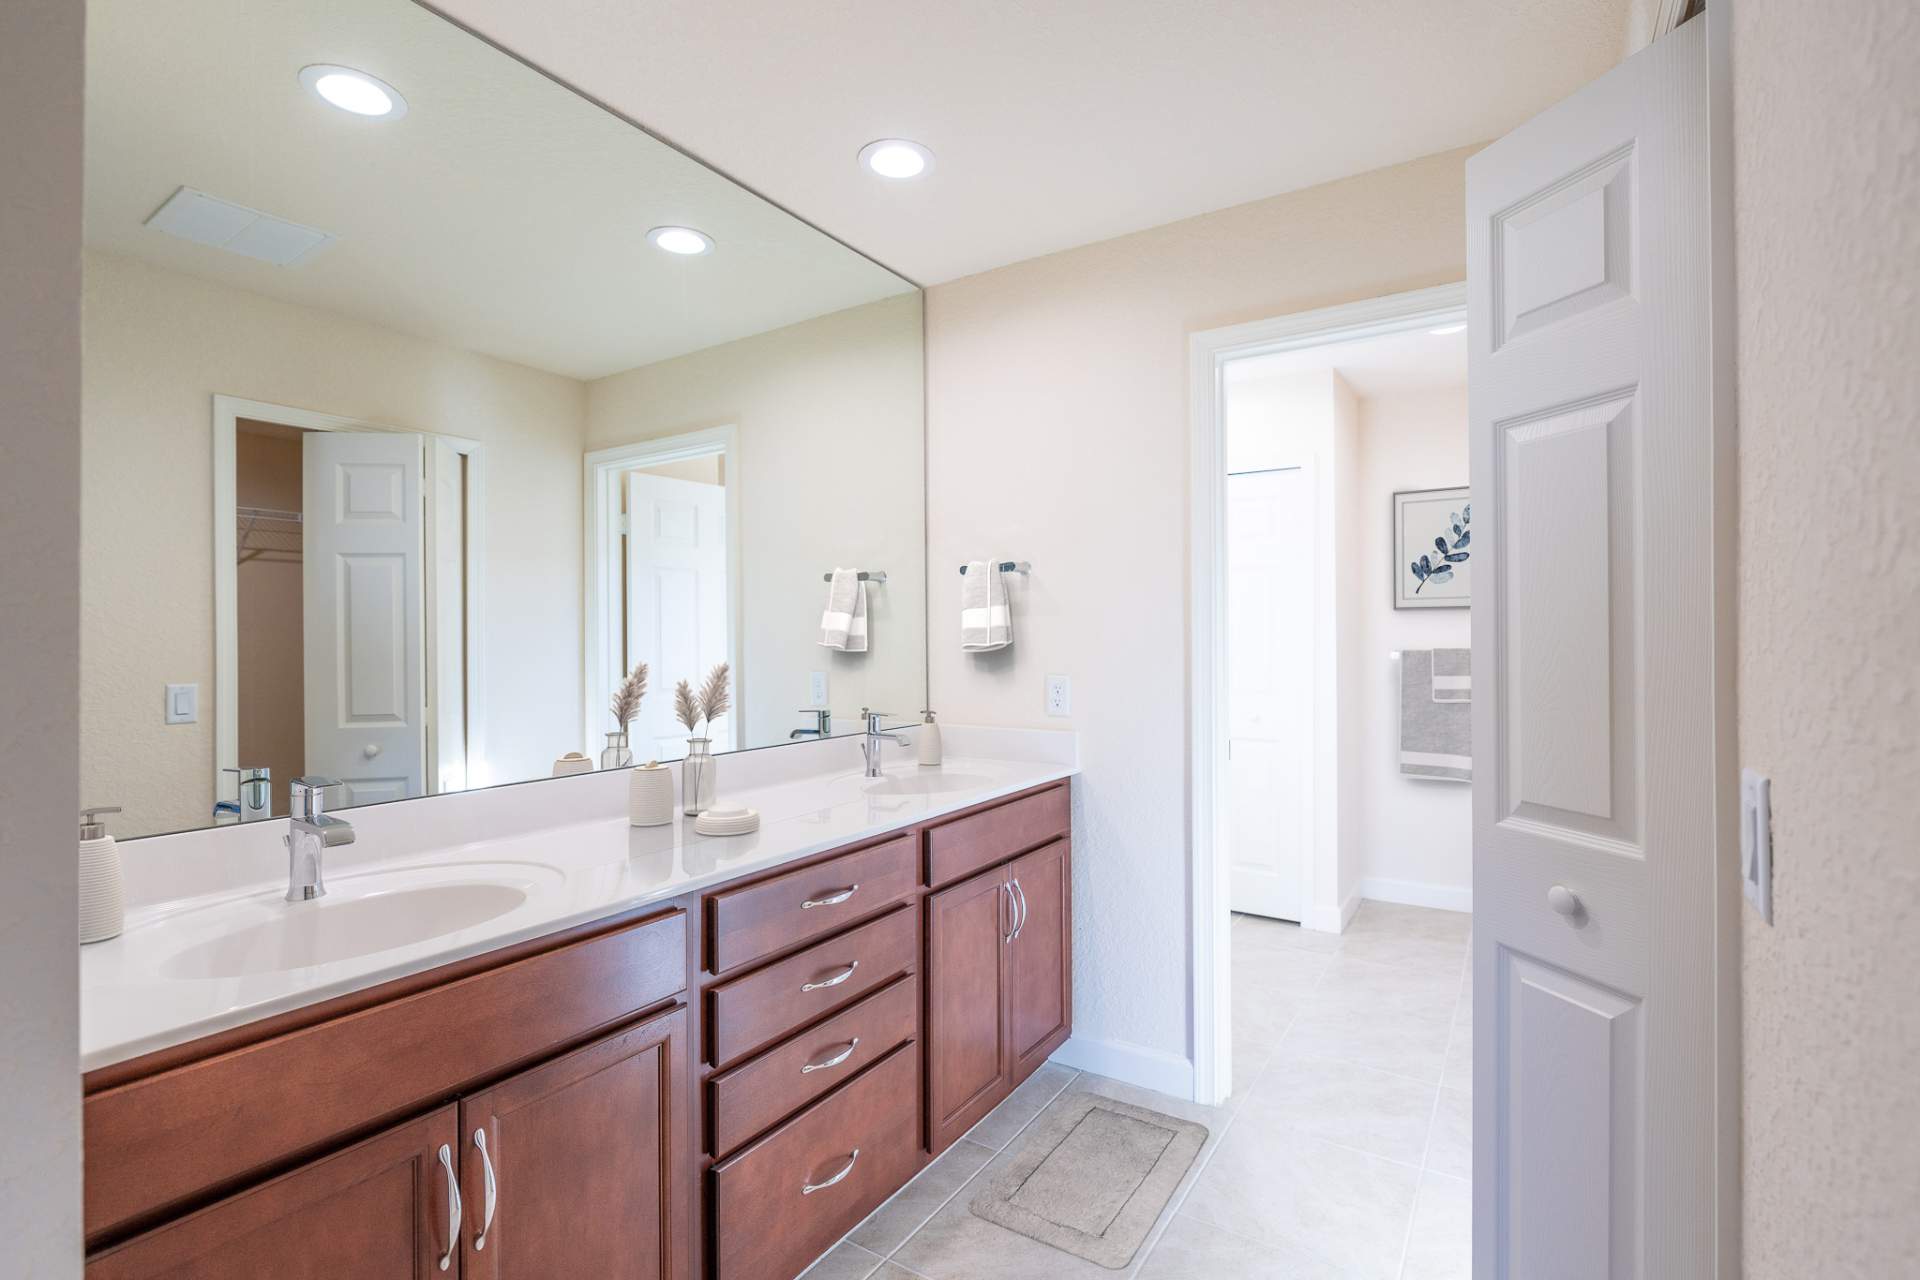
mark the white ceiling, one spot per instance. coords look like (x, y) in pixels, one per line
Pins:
(503, 213)
(1396, 364)
(1057, 122)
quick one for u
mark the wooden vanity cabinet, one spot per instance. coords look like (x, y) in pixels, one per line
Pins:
(377, 1209)
(999, 985)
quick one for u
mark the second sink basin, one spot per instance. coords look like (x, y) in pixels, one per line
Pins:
(926, 782)
(345, 927)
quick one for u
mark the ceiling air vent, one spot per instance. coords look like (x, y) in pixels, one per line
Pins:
(221, 224)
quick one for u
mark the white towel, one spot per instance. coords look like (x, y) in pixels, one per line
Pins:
(986, 623)
(1452, 675)
(1436, 736)
(844, 624)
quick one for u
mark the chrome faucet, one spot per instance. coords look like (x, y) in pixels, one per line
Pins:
(310, 832)
(822, 724)
(870, 744)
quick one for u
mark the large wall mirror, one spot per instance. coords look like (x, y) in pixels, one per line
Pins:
(425, 399)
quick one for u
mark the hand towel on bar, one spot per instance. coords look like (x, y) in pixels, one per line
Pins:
(986, 623)
(844, 624)
(1453, 675)
(1436, 738)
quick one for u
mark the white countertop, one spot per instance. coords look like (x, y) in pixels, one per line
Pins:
(571, 873)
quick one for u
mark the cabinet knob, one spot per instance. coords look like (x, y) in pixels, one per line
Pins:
(1564, 900)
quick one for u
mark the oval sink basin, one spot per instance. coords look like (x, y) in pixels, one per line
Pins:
(924, 783)
(323, 932)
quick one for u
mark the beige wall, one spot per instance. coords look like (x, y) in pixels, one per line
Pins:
(1416, 837)
(40, 102)
(830, 473)
(1827, 241)
(1057, 432)
(159, 346)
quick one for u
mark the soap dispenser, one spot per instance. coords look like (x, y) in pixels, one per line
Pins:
(926, 743)
(103, 912)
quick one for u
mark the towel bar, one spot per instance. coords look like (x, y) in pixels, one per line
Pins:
(1011, 566)
(878, 575)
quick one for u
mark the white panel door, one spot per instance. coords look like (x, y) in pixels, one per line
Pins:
(365, 646)
(676, 601)
(1593, 712)
(1269, 689)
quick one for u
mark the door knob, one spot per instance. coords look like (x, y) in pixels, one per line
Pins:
(371, 750)
(1564, 900)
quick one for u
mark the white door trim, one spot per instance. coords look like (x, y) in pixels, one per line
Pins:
(227, 412)
(1210, 351)
(603, 467)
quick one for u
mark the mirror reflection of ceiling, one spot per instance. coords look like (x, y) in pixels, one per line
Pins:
(502, 213)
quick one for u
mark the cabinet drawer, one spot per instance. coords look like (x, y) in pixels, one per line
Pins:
(765, 1005)
(755, 1094)
(767, 1223)
(156, 1141)
(763, 918)
(965, 845)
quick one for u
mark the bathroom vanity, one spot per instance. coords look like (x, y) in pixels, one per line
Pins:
(719, 1079)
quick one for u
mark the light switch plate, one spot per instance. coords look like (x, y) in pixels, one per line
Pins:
(817, 688)
(183, 704)
(1756, 841)
(1059, 695)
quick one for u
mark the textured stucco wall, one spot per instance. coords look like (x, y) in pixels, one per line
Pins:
(1057, 432)
(1827, 185)
(41, 60)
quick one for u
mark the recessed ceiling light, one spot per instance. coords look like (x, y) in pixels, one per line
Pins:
(354, 91)
(681, 240)
(896, 158)
(1446, 329)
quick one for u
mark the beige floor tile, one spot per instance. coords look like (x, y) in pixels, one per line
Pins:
(1328, 1202)
(1405, 1044)
(1459, 1068)
(999, 1126)
(1450, 1147)
(1432, 955)
(1391, 918)
(1284, 933)
(888, 1227)
(1371, 1111)
(1195, 1250)
(1440, 1245)
(1358, 984)
(845, 1261)
(890, 1271)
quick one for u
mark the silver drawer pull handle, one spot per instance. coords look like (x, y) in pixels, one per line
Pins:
(835, 1060)
(1021, 892)
(831, 900)
(834, 981)
(486, 1168)
(455, 1212)
(808, 1188)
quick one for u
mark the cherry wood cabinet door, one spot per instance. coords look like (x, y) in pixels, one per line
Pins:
(968, 1063)
(589, 1158)
(379, 1210)
(1040, 977)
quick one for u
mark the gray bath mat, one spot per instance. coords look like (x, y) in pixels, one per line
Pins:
(1092, 1177)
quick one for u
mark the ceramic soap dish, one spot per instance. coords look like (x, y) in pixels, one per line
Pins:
(727, 822)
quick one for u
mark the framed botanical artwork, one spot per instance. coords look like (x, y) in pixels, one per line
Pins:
(1432, 548)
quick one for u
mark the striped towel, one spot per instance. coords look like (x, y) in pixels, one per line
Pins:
(1436, 737)
(843, 626)
(986, 623)
(1453, 675)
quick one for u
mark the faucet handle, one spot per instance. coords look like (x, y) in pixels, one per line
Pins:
(309, 796)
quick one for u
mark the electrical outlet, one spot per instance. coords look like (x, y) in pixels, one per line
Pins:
(817, 688)
(1059, 695)
(1756, 841)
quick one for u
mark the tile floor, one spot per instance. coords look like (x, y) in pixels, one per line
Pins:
(1344, 1153)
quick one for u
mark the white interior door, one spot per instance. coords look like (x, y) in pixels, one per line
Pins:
(676, 601)
(365, 651)
(1594, 711)
(1269, 689)
(446, 588)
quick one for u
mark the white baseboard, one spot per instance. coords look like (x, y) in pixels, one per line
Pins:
(1333, 919)
(1416, 893)
(1129, 1063)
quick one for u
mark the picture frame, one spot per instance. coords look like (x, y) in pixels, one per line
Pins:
(1433, 548)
